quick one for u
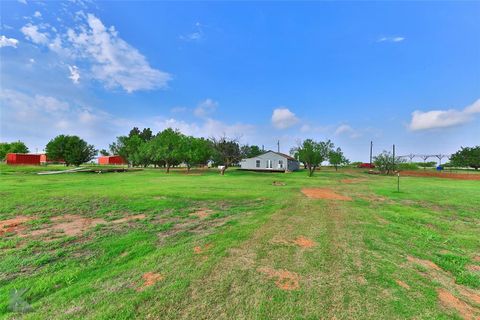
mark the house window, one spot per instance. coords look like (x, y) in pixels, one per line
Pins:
(280, 164)
(269, 164)
(257, 163)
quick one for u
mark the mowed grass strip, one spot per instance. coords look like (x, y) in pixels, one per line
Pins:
(246, 245)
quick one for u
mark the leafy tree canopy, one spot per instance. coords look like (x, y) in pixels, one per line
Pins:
(13, 147)
(466, 157)
(70, 149)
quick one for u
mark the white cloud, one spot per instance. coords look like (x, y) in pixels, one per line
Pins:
(391, 39)
(74, 74)
(115, 62)
(205, 108)
(32, 33)
(37, 14)
(345, 129)
(112, 60)
(196, 35)
(22, 1)
(435, 119)
(8, 42)
(283, 118)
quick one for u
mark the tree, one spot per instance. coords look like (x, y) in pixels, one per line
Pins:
(127, 147)
(251, 151)
(467, 157)
(385, 161)
(104, 152)
(70, 149)
(13, 147)
(226, 152)
(195, 151)
(166, 147)
(312, 153)
(336, 158)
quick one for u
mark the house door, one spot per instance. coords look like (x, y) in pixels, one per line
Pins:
(269, 164)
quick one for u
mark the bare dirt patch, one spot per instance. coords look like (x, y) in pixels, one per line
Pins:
(130, 218)
(200, 249)
(150, 278)
(304, 242)
(284, 279)
(13, 225)
(324, 193)
(450, 301)
(473, 268)
(202, 213)
(278, 183)
(446, 175)
(424, 263)
(73, 225)
(402, 284)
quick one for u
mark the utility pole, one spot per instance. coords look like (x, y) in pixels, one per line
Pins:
(393, 168)
(278, 146)
(371, 148)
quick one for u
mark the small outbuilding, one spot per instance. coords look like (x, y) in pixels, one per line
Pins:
(112, 160)
(23, 159)
(271, 161)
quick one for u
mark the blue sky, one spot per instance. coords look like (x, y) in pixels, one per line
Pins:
(405, 73)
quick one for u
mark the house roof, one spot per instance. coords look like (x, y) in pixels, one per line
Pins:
(279, 153)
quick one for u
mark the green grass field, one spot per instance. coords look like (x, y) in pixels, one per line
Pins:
(205, 246)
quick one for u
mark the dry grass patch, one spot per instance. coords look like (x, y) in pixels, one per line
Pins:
(324, 193)
(402, 284)
(149, 279)
(202, 213)
(284, 279)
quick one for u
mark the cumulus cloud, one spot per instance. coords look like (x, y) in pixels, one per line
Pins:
(37, 14)
(391, 39)
(283, 118)
(436, 119)
(8, 42)
(112, 60)
(37, 118)
(74, 74)
(205, 108)
(33, 34)
(345, 129)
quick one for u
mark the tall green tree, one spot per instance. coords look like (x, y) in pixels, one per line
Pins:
(312, 153)
(127, 147)
(166, 147)
(226, 152)
(337, 158)
(71, 149)
(104, 152)
(466, 157)
(195, 151)
(386, 163)
(251, 151)
(13, 147)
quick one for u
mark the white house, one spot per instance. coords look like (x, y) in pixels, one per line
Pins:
(270, 161)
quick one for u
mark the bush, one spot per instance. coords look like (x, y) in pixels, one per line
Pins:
(406, 166)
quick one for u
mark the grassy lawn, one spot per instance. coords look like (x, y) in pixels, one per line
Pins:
(150, 245)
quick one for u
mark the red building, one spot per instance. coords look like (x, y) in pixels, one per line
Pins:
(111, 160)
(23, 158)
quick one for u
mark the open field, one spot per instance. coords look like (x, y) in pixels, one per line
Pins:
(339, 245)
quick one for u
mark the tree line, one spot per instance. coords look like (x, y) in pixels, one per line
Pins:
(170, 147)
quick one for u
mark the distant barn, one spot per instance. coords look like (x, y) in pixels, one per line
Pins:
(270, 161)
(116, 160)
(23, 159)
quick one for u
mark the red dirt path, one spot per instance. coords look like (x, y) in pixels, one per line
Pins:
(446, 175)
